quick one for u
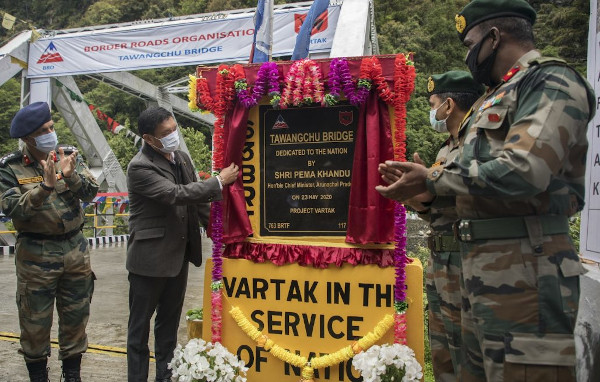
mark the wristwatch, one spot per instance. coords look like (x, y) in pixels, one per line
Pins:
(62, 174)
(46, 188)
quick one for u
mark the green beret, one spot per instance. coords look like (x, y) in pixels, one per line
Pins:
(478, 11)
(454, 81)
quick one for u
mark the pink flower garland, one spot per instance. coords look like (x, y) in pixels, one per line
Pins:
(304, 85)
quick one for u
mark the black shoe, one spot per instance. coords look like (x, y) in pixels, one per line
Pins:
(164, 380)
(38, 372)
(71, 375)
(71, 369)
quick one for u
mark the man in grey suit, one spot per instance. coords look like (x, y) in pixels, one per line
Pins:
(166, 204)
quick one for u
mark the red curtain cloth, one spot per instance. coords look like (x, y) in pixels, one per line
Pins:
(236, 224)
(308, 255)
(370, 216)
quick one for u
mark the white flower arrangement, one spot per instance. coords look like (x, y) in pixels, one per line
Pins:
(388, 363)
(201, 361)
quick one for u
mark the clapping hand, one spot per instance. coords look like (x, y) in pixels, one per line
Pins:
(405, 180)
(49, 170)
(67, 163)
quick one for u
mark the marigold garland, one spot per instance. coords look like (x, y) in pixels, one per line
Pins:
(203, 99)
(219, 107)
(328, 360)
(404, 77)
(192, 93)
(222, 104)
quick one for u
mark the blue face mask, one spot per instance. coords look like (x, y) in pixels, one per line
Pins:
(170, 142)
(439, 126)
(47, 142)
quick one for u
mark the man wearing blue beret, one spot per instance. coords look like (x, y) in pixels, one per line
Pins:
(517, 180)
(42, 194)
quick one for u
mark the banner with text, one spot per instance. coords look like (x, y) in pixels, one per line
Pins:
(310, 312)
(590, 216)
(215, 38)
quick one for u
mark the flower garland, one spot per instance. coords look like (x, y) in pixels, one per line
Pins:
(192, 93)
(203, 99)
(303, 85)
(219, 107)
(340, 77)
(308, 367)
(404, 77)
(267, 81)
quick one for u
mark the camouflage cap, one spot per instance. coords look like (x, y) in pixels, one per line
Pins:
(478, 11)
(454, 81)
(29, 119)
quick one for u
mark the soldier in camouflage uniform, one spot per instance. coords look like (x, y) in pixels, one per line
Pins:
(451, 94)
(518, 177)
(42, 195)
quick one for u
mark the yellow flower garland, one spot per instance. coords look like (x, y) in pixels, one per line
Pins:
(328, 360)
(192, 93)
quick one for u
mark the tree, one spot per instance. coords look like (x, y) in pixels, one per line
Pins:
(123, 146)
(199, 150)
(102, 12)
(10, 93)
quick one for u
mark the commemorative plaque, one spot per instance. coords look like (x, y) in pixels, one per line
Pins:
(306, 166)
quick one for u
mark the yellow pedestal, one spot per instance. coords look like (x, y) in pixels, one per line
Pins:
(310, 312)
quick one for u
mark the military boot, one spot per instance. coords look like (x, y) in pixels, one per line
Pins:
(71, 369)
(38, 371)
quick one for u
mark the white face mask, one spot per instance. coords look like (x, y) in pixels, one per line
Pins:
(47, 142)
(170, 142)
(439, 126)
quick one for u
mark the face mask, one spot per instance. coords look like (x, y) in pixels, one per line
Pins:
(482, 72)
(439, 126)
(170, 143)
(47, 142)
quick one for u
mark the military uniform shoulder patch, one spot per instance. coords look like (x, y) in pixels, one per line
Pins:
(547, 60)
(15, 155)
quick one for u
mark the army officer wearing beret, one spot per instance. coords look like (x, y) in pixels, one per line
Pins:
(42, 194)
(451, 95)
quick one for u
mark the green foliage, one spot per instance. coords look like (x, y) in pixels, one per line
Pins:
(574, 229)
(194, 314)
(562, 30)
(199, 150)
(9, 105)
(102, 12)
(123, 147)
